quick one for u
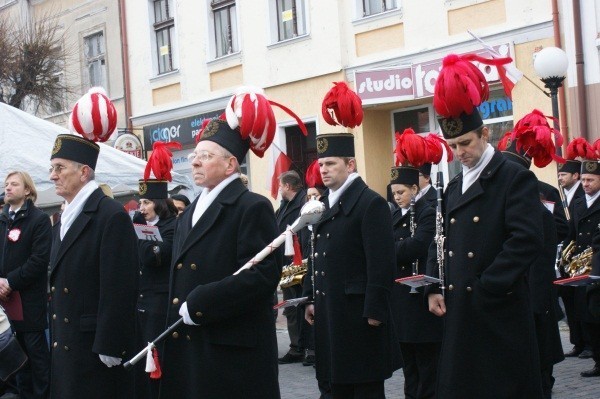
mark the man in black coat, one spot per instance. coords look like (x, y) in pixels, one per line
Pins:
(25, 240)
(492, 223)
(93, 281)
(354, 263)
(293, 197)
(426, 190)
(584, 225)
(227, 347)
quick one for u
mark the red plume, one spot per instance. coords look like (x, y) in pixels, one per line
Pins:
(502, 144)
(435, 149)
(579, 147)
(313, 175)
(537, 139)
(461, 86)
(345, 104)
(411, 149)
(160, 161)
(596, 147)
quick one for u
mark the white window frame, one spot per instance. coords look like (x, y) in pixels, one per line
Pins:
(235, 45)
(97, 58)
(299, 13)
(362, 8)
(158, 26)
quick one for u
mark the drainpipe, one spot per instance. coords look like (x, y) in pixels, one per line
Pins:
(562, 105)
(579, 63)
(125, 61)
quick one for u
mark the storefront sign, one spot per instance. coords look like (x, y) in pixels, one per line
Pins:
(182, 130)
(409, 82)
(130, 144)
(180, 160)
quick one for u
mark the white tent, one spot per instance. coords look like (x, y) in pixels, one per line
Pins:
(26, 142)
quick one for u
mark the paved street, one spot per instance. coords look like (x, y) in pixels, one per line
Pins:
(298, 382)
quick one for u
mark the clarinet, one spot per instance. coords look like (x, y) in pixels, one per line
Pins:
(439, 231)
(413, 229)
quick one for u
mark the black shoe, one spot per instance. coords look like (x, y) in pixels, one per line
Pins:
(595, 372)
(574, 352)
(290, 358)
(309, 360)
(585, 354)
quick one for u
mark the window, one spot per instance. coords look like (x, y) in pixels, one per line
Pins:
(301, 150)
(225, 27)
(372, 7)
(291, 19)
(164, 30)
(95, 60)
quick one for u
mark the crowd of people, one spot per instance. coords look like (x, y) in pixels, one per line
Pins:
(476, 316)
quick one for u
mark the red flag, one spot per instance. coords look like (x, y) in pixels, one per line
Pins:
(282, 164)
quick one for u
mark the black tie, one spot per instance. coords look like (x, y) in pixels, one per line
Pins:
(11, 214)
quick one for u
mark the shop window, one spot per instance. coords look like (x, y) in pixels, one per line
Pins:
(418, 119)
(225, 35)
(288, 19)
(372, 7)
(95, 60)
(164, 35)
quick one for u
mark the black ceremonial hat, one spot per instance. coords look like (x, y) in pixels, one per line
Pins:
(407, 175)
(465, 123)
(335, 145)
(590, 166)
(153, 189)
(571, 166)
(218, 131)
(425, 169)
(77, 149)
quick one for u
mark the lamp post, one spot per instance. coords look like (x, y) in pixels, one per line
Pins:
(551, 65)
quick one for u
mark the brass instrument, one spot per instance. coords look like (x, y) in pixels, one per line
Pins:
(580, 264)
(293, 274)
(567, 252)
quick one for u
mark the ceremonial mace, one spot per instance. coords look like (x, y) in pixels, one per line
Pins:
(310, 213)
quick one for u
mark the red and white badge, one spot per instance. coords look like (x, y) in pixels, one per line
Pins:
(14, 235)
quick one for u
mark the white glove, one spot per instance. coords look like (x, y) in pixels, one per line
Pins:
(110, 361)
(183, 312)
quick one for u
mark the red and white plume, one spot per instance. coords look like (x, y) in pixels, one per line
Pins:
(536, 138)
(160, 161)
(251, 111)
(580, 148)
(344, 104)
(313, 175)
(461, 86)
(94, 116)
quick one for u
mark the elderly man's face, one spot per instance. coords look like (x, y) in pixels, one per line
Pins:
(68, 177)
(210, 165)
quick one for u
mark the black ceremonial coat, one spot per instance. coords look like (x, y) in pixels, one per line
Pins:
(24, 262)
(430, 196)
(414, 322)
(233, 352)
(93, 281)
(493, 235)
(593, 290)
(353, 276)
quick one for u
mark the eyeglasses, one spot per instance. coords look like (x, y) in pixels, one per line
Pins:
(57, 169)
(204, 156)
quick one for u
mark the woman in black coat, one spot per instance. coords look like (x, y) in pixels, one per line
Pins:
(419, 331)
(155, 259)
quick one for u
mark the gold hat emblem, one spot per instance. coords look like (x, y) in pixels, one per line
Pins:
(452, 126)
(322, 145)
(143, 188)
(57, 145)
(591, 166)
(394, 174)
(210, 129)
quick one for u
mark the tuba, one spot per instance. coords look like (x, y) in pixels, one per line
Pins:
(293, 274)
(580, 264)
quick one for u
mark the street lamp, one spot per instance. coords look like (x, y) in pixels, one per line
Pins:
(551, 65)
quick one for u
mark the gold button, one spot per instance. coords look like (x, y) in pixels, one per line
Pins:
(66, 348)
(318, 235)
(327, 235)
(175, 301)
(198, 314)
(54, 317)
(470, 254)
(193, 266)
(53, 289)
(324, 253)
(450, 253)
(323, 293)
(323, 273)
(403, 268)
(404, 225)
(452, 220)
(179, 265)
(66, 320)
(66, 290)
(141, 295)
(476, 219)
(317, 292)
(175, 335)
(333, 218)
(316, 254)
(469, 289)
(140, 272)
(55, 344)
(316, 272)
(450, 287)
(188, 337)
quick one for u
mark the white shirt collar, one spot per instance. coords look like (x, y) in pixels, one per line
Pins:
(334, 196)
(470, 175)
(153, 221)
(591, 199)
(207, 197)
(74, 208)
(569, 193)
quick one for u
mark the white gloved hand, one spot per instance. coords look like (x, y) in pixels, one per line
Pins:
(110, 361)
(183, 312)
